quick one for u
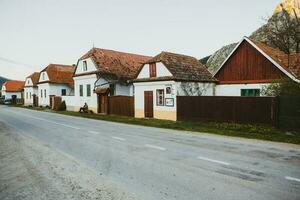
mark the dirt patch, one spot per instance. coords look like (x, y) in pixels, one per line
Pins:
(34, 171)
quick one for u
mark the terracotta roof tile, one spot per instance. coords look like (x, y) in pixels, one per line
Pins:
(62, 74)
(183, 67)
(121, 64)
(290, 63)
(34, 78)
(13, 86)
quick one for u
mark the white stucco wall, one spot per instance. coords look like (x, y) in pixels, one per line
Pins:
(8, 95)
(90, 66)
(28, 95)
(51, 89)
(160, 112)
(75, 102)
(120, 89)
(235, 89)
(161, 71)
(43, 76)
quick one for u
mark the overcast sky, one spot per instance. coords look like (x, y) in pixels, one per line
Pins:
(35, 33)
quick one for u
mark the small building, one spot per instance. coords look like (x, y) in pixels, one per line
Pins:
(31, 89)
(253, 65)
(12, 90)
(55, 80)
(101, 73)
(163, 78)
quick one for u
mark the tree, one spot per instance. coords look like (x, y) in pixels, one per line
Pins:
(283, 31)
(286, 87)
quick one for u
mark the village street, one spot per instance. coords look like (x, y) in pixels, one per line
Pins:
(51, 156)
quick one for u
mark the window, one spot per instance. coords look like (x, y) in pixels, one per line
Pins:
(88, 90)
(45, 94)
(63, 92)
(26, 95)
(112, 89)
(81, 90)
(43, 76)
(168, 90)
(29, 95)
(28, 82)
(84, 65)
(250, 92)
(159, 97)
(152, 69)
(41, 93)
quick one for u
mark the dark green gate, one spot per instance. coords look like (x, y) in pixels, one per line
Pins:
(289, 113)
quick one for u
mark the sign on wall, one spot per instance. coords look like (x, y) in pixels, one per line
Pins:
(169, 102)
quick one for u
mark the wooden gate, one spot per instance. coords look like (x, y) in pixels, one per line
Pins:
(102, 103)
(148, 104)
(35, 100)
(121, 105)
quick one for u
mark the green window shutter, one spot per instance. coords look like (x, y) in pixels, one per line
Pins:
(88, 90)
(81, 90)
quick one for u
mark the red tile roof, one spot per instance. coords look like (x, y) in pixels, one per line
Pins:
(62, 74)
(289, 63)
(13, 86)
(183, 67)
(121, 64)
(34, 78)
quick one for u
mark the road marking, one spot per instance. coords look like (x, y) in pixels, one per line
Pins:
(118, 138)
(94, 132)
(155, 147)
(46, 120)
(292, 179)
(212, 160)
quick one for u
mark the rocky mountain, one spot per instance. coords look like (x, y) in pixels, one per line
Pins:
(2, 80)
(216, 59)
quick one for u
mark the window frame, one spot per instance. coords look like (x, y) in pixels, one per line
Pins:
(65, 91)
(152, 70)
(81, 90)
(158, 95)
(251, 92)
(88, 90)
(84, 67)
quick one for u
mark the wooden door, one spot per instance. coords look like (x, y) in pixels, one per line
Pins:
(148, 104)
(14, 99)
(102, 103)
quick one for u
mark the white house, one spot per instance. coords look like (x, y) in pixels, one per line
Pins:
(163, 78)
(12, 90)
(101, 73)
(55, 80)
(31, 89)
(252, 66)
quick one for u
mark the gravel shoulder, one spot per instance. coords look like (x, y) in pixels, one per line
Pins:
(35, 171)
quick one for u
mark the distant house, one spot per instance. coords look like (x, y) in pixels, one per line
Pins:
(163, 78)
(101, 73)
(55, 80)
(253, 65)
(12, 90)
(31, 88)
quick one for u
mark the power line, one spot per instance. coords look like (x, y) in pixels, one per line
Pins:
(16, 62)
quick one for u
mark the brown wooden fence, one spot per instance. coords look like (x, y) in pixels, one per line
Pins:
(121, 105)
(251, 110)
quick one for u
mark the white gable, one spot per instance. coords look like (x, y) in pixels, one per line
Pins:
(90, 66)
(43, 76)
(28, 82)
(161, 71)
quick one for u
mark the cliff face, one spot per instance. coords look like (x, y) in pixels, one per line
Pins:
(216, 59)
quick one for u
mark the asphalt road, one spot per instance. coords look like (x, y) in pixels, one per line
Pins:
(156, 164)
